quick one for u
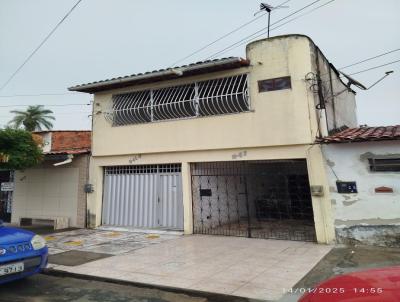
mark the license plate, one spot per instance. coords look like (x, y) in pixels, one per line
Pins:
(11, 268)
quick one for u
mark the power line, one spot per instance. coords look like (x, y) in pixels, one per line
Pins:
(222, 37)
(371, 58)
(46, 105)
(353, 64)
(297, 17)
(215, 41)
(290, 20)
(39, 94)
(341, 76)
(39, 46)
(57, 114)
(375, 67)
(262, 29)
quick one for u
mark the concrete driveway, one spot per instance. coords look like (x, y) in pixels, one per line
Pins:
(252, 268)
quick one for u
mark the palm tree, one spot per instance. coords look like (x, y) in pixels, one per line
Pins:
(33, 119)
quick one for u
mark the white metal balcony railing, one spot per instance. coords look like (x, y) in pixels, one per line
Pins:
(205, 98)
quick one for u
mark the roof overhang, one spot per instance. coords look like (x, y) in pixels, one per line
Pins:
(163, 75)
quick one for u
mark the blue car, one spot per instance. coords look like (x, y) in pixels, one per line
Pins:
(22, 253)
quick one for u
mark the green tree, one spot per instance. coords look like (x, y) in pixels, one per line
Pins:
(33, 119)
(18, 149)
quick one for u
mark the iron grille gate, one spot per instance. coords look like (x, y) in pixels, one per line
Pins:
(143, 196)
(256, 199)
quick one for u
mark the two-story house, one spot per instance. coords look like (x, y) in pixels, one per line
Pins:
(222, 147)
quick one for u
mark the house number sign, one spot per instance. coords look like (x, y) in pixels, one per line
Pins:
(134, 158)
(7, 186)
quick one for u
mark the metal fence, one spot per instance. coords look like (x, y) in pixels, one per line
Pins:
(253, 199)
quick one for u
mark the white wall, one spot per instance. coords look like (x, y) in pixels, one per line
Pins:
(46, 192)
(372, 211)
(340, 103)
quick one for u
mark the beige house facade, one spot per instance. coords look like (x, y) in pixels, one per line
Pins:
(54, 190)
(222, 147)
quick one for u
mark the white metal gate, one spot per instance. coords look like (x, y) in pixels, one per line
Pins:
(143, 196)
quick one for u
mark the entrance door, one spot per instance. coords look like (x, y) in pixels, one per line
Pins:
(145, 196)
(170, 203)
(7, 184)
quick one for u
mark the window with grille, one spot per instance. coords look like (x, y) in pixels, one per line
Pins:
(204, 98)
(384, 164)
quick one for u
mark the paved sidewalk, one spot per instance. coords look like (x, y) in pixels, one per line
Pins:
(104, 241)
(253, 268)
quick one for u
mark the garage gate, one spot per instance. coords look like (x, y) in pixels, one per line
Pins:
(258, 199)
(143, 196)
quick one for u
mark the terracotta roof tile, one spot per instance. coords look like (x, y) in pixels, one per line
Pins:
(362, 134)
(70, 142)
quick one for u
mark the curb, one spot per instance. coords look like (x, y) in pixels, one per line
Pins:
(211, 297)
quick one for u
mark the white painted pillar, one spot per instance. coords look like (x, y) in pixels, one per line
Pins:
(95, 199)
(187, 199)
(322, 207)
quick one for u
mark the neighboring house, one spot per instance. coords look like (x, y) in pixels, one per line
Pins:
(363, 165)
(221, 147)
(55, 188)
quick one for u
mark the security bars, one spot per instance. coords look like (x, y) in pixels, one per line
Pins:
(142, 169)
(205, 98)
(257, 199)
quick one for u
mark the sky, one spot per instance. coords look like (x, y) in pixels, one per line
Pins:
(103, 39)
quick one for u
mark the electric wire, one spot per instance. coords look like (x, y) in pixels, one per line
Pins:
(262, 29)
(368, 59)
(223, 36)
(39, 94)
(77, 93)
(215, 41)
(46, 105)
(290, 20)
(341, 77)
(374, 67)
(39, 46)
(295, 18)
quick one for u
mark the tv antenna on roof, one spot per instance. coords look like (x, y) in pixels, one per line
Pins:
(268, 8)
(352, 81)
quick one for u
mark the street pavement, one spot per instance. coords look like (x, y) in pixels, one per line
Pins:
(168, 254)
(45, 288)
(64, 286)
